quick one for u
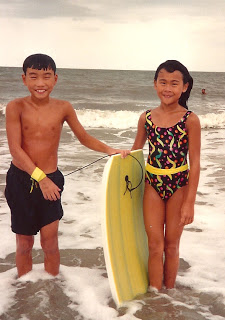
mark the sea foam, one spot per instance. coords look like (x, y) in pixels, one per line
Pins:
(129, 119)
(125, 119)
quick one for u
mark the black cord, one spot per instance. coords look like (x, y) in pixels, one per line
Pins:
(129, 183)
(87, 165)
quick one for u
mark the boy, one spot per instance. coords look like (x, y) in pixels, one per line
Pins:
(34, 184)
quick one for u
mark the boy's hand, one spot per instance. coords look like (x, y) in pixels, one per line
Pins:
(49, 189)
(124, 153)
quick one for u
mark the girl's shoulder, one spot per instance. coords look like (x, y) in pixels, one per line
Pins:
(146, 114)
(143, 117)
(192, 116)
(147, 111)
(192, 119)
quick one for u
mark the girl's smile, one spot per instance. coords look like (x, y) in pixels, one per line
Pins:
(170, 86)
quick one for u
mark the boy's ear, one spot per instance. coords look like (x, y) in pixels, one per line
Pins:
(24, 78)
(155, 85)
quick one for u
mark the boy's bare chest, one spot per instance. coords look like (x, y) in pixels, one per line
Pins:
(41, 122)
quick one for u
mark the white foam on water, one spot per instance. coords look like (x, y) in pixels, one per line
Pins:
(88, 285)
(24, 318)
(7, 238)
(129, 119)
(88, 290)
(2, 108)
(7, 291)
(204, 250)
(124, 119)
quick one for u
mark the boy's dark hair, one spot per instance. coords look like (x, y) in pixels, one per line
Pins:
(171, 66)
(39, 61)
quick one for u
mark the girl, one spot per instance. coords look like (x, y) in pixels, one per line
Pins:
(170, 187)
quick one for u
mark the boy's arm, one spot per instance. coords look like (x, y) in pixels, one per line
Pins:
(194, 137)
(86, 139)
(14, 134)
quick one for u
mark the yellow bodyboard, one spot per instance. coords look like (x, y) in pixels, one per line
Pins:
(124, 238)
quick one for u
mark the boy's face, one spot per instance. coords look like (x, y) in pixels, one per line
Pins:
(40, 83)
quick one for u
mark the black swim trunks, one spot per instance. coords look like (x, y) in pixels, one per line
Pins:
(29, 210)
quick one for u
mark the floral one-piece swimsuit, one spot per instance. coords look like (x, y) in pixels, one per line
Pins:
(167, 168)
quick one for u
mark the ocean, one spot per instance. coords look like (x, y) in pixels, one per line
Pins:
(108, 104)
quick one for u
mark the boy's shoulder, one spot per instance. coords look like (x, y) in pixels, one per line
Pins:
(64, 106)
(20, 106)
(60, 102)
(16, 104)
(20, 102)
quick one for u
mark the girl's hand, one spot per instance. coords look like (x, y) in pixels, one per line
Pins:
(187, 213)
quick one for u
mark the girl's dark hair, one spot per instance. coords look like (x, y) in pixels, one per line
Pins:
(39, 61)
(171, 66)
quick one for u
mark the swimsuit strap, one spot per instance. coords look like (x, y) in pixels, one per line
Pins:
(148, 113)
(148, 116)
(187, 114)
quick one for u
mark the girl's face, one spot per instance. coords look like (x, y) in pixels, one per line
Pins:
(170, 86)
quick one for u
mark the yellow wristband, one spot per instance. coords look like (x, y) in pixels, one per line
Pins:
(38, 174)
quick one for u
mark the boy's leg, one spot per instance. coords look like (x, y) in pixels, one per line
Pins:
(172, 237)
(49, 243)
(154, 217)
(24, 245)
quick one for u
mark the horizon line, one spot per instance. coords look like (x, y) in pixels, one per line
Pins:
(109, 69)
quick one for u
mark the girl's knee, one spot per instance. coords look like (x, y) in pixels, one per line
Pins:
(155, 248)
(172, 249)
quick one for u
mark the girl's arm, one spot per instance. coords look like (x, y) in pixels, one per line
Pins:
(141, 133)
(194, 136)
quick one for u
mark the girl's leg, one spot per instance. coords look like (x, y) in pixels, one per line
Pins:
(154, 218)
(173, 233)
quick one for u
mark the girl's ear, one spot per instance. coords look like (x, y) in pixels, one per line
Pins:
(186, 85)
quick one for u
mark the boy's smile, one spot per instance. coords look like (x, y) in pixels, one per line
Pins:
(40, 83)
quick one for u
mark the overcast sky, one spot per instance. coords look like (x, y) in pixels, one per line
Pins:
(114, 34)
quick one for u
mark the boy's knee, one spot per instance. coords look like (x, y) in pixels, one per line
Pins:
(49, 246)
(24, 245)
